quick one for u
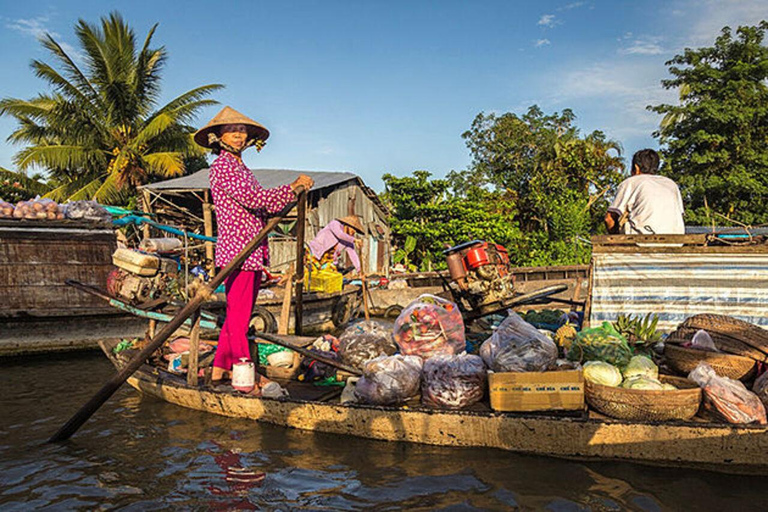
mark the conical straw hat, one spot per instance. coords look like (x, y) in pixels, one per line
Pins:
(228, 115)
(353, 222)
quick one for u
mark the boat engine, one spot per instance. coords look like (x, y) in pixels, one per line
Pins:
(480, 275)
(140, 278)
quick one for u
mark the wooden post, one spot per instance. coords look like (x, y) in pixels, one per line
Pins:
(364, 281)
(109, 388)
(301, 223)
(194, 349)
(208, 231)
(285, 311)
(147, 207)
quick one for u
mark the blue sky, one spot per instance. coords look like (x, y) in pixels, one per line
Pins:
(389, 87)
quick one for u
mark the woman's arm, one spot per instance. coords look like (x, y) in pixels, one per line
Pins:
(245, 189)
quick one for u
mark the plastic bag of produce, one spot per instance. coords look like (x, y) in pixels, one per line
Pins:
(389, 379)
(517, 346)
(87, 210)
(6, 210)
(363, 341)
(602, 343)
(453, 382)
(38, 209)
(600, 372)
(726, 398)
(641, 366)
(760, 388)
(430, 326)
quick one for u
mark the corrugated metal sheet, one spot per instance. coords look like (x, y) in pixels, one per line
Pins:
(676, 286)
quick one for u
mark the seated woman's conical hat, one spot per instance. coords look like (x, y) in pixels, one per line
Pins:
(228, 115)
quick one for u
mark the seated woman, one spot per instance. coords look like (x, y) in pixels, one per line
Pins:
(337, 237)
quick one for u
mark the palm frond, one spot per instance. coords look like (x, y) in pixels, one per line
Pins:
(68, 188)
(109, 192)
(196, 94)
(59, 156)
(32, 185)
(73, 71)
(167, 164)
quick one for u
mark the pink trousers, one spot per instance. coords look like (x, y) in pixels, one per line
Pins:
(242, 288)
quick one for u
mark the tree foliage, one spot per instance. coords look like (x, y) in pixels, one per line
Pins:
(99, 133)
(715, 141)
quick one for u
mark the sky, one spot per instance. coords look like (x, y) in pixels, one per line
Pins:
(389, 87)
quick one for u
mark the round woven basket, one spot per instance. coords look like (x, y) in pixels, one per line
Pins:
(646, 405)
(683, 360)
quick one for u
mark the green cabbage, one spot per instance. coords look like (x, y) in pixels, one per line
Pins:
(641, 366)
(668, 387)
(599, 372)
(641, 382)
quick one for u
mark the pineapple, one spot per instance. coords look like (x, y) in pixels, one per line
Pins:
(565, 335)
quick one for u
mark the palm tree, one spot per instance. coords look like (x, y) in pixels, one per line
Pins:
(99, 133)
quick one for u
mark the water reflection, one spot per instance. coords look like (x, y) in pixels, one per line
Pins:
(141, 454)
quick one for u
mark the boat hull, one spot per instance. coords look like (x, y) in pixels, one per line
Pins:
(720, 447)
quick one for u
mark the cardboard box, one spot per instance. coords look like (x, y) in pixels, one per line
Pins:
(537, 391)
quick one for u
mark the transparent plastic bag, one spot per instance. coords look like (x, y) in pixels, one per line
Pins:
(389, 379)
(6, 210)
(703, 341)
(453, 382)
(87, 210)
(167, 244)
(760, 388)
(517, 346)
(363, 341)
(38, 209)
(726, 398)
(430, 326)
(603, 343)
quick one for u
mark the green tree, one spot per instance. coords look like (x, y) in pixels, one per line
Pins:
(715, 141)
(557, 179)
(427, 217)
(99, 132)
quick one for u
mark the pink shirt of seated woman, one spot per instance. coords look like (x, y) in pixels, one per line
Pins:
(338, 236)
(242, 207)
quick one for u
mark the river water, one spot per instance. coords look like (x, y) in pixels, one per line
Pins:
(143, 454)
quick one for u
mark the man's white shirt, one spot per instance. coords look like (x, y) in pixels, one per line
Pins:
(654, 203)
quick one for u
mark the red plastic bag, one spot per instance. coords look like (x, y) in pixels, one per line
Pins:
(430, 326)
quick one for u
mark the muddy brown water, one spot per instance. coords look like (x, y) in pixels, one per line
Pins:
(143, 454)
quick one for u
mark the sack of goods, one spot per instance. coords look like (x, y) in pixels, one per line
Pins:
(517, 346)
(389, 380)
(453, 382)
(363, 341)
(430, 326)
(6, 210)
(87, 210)
(602, 343)
(38, 209)
(726, 398)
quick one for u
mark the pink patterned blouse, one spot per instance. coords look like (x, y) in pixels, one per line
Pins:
(242, 207)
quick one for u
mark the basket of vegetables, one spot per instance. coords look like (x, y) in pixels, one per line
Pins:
(639, 393)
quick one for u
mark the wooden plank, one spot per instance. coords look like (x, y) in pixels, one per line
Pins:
(649, 239)
(194, 349)
(300, 256)
(719, 249)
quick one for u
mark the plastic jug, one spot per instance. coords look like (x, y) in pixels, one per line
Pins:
(244, 375)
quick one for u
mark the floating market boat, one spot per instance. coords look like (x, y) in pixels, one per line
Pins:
(715, 446)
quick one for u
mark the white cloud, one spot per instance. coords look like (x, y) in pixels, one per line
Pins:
(572, 5)
(541, 42)
(707, 18)
(547, 20)
(644, 46)
(37, 28)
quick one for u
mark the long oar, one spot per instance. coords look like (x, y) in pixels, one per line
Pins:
(85, 412)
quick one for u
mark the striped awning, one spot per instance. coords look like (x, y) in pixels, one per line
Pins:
(678, 285)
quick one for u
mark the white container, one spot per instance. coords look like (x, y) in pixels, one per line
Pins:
(244, 375)
(283, 359)
(160, 244)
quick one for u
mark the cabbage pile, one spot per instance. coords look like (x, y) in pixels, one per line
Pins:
(640, 373)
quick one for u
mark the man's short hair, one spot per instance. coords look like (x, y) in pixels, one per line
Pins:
(647, 160)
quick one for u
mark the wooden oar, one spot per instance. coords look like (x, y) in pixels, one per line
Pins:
(307, 353)
(85, 412)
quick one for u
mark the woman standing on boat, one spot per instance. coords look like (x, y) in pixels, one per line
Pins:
(242, 207)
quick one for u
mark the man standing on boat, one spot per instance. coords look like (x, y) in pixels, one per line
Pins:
(646, 203)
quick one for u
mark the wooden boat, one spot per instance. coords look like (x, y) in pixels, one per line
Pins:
(714, 446)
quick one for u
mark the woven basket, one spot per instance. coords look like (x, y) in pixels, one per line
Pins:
(646, 405)
(746, 332)
(722, 342)
(684, 360)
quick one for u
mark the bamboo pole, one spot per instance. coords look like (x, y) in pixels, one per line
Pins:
(208, 231)
(301, 222)
(148, 209)
(194, 349)
(85, 412)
